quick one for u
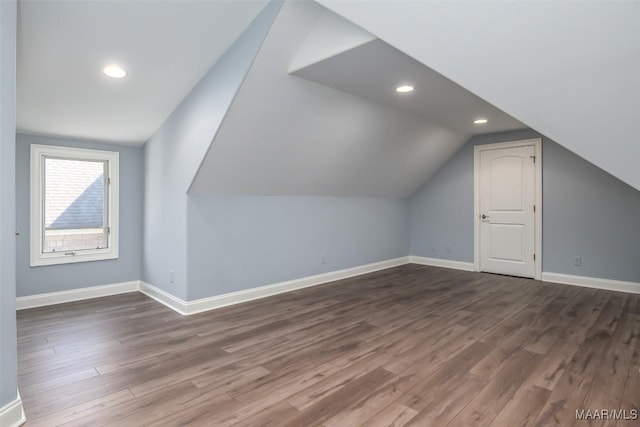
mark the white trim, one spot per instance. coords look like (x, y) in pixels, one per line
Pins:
(537, 145)
(445, 263)
(186, 308)
(12, 414)
(592, 282)
(205, 304)
(163, 297)
(61, 297)
(38, 257)
(219, 301)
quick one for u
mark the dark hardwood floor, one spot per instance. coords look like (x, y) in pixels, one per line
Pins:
(411, 345)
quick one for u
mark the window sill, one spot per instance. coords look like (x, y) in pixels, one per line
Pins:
(43, 261)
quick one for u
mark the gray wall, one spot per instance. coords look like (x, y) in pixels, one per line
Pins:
(589, 213)
(241, 242)
(174, 153)
(40, 280)
(586, 212)
(8, 351)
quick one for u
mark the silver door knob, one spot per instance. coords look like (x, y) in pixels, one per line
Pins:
(484, 216)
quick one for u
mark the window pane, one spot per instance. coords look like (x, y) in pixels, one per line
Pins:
(74, 205)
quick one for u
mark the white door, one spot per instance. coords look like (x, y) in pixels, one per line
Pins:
(507, 192)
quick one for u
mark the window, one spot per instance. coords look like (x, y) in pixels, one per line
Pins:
(74, 205)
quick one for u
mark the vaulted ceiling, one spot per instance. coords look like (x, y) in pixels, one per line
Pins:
(373, 69)
(570, 70)
(166, 47)
(351, 135)
(317, 113)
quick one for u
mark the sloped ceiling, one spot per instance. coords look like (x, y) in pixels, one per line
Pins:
(373, 69)
(331, 35)
(567, 69)
(287, 135)
(166, 47)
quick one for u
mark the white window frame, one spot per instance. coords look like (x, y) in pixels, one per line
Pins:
(38, 154)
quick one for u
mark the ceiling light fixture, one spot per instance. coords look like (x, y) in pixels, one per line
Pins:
(114, 72)
(404, 89)
(480, 121)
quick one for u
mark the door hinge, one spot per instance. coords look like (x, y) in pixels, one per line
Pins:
(534, 158)
(534, 257)
(534, 208)
(108, 230)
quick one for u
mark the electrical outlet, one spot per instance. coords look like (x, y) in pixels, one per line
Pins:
(172, 276)
(577, 261)
(323, 259)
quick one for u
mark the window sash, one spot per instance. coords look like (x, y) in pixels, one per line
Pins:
(105, 204)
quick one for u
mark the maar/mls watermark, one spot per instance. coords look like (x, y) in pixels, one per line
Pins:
(607, 414)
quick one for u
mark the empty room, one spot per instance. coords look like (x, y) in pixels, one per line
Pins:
(319, 213)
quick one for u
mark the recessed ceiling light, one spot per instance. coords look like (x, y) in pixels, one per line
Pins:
(480, 121)
(115, 72)
(404, 89)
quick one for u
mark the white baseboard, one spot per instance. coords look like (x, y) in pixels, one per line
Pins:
(12, 414)
(438, 262)
(52, 298)
(205, 304)
(164, 297)
(592, 282)
(219, 301)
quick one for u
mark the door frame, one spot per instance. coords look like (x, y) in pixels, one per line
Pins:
(537, 145)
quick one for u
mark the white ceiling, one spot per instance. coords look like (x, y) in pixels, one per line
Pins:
(166, 46)
(374, 69)
(287, 135)
(331, 35)
(570, 70)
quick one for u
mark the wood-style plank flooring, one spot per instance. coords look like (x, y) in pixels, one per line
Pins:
(411, 345)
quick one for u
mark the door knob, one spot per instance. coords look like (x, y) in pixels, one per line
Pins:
(484, 216)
